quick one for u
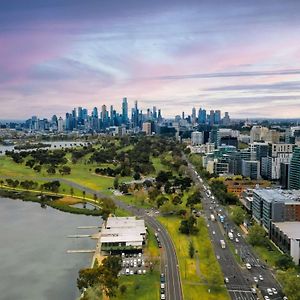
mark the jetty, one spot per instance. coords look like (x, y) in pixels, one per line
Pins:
(81, 251)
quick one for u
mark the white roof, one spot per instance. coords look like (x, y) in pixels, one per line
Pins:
(123, 229)
(291, 229)
(116, 222)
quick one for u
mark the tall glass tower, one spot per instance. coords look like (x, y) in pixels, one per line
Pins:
(294, 180)
(124, 111)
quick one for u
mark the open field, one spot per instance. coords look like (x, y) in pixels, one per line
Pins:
(201, 276)
(140, 287)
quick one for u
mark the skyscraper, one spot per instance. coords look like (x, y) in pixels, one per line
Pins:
(124, 111)
(294, 178)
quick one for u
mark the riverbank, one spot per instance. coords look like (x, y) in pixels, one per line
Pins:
(52, 200)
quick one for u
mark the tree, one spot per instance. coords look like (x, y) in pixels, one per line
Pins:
(137, 176)
(37, 168)
(284, 262)
(83, 194)
(256, 235)
(176, 200)
(116, 182)
(123, 289)
(161, 200)
(30, 163)
(238, 215)
(193, 199)
(51, 170)
(106, 275)
(191, 249)
(189, 225)
(291, 283)
(65, 170)
(72, 191)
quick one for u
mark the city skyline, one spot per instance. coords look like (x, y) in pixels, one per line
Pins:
(239, 57)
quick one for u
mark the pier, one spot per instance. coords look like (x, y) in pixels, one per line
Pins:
(81, 251)
(79, 235)
(87, 227)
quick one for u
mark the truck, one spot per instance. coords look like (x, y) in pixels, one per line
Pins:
(230, 235)
(223, 245)
(212, 217)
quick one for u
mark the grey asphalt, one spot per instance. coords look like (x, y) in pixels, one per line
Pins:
(240, 279)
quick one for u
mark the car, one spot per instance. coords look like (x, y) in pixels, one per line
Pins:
(131, 272)
(248, 266)
(127, 272)
(236, 240)
(226, 280)
(162, 296)
(140, 255)
(285, 298)
(274, 291)
(238, 234)
(266, 297)
(162, 278)
(162, 288)
(213, 232)
(260, 277)
(140, 272)
(253, 290)
(255, 279)
(270, 292)
(144, 272)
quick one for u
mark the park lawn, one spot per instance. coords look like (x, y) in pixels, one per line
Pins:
(156, 161)
(140, 287)
(131, 200)
(195, 286)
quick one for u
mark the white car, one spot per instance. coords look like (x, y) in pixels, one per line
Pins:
(213, 232)
(144, 272)
(248, 266)
(131, 272)
(226, 279)
(266, 298)
(162, 296)
(237, 240)
(270, 292)
(260, 277)
(255, 279)
(274, 291)
(127, 271)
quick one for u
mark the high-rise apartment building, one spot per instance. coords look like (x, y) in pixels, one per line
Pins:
(294, 176)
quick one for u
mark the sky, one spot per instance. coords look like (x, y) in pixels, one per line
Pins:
(237, 56)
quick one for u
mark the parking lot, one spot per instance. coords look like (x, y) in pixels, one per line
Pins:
(134, 263)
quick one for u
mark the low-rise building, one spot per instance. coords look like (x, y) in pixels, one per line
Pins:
(286, 235)
(123, 233)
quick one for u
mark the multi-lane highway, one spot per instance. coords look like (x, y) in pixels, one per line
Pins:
(239, 280)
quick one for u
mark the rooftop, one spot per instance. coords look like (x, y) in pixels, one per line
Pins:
(291, 229)
(272, 195)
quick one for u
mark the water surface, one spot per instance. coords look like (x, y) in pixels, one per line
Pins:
(34, 264)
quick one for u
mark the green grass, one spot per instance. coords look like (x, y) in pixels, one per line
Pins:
(195, 285)
(140, 287)
(269, 257)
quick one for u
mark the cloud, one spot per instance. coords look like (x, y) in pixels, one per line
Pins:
(228, 74)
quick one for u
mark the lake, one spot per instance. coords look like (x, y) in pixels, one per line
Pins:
(54, 145)
(34, 264)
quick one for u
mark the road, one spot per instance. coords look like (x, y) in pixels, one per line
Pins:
(240, 279)
(170, 263)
